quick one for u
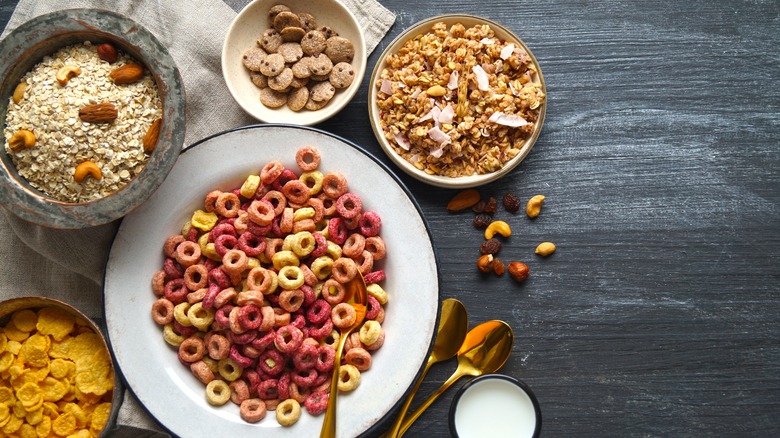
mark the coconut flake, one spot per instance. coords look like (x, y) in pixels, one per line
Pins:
(435, 112)
(453, 83)
(415, 93)
(438, 151)
(447, 114)
(482, 78)
(387, 87)
(507, 51)
(487, 41)
(510, 120)
(402, 141)
(438, 136)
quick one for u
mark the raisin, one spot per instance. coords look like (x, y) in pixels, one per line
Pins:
(491, 205)
(490, 246)
(479, 207)
(498, 266)
(511, 203)
(482, 220)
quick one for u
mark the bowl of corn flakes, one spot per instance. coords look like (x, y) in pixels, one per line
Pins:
(57, 375)
(457, 101)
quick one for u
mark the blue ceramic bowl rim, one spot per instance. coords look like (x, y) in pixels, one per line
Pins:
(519, 383)
(25, 46)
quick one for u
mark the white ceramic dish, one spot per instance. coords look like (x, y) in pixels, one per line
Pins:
(250, 24)
(151, 368)
(374, 113)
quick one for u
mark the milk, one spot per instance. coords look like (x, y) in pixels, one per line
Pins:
(495, 408)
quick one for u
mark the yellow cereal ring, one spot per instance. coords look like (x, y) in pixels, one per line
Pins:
(334, 250)
(229, 370)
(171, 337)
(217, 392)
(303, 243)
(199, 317)
(370, 332)
(349, 378)
(322, 267)
(180, 314)
(288, 412)
(376, 291)
(303, 213)
(313, 181)
(204, 220)
(250, 186)
(290, 277)
(284, 258)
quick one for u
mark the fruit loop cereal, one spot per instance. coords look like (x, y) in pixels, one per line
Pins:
(250, 293)
(55, 376)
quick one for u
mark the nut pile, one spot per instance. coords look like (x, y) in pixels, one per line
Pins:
(79, 124)
(298, 64)
(484, 211)
(457, 101)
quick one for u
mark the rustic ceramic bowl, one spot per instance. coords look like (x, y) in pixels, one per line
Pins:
(249, 26)
(388, 146)
(26, 46)
(10, 306)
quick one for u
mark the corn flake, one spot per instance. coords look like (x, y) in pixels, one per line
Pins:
(100, 416)
(43, 429)
(24, 320)
(64, 425)
(15, 334)
(13, 424)
(55, 322)
(27, 431)
(35, 350)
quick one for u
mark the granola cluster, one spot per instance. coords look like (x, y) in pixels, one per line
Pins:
(458, 101)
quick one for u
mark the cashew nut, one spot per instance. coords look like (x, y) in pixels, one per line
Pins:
(534, 206)
(19, 92)
(499, 227)
(65, 73)
(87, 168)
(21, 138)
(545, 248)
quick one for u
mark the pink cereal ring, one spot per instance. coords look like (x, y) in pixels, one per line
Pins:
(210, 203)
(241, 338)
(250, 317)
(172, 269)
(268, 389)
(309, 279)
(296, 191)
(271, 172)
(344, 269)
(196, 277)
(318, 311)
(298, 320)
(158, 283)
(334, 184)
(211, 296)
(354, 245)
(284, 385)
(191, 349)
(218, 346)
(288, 339)
(169, 247)
(372, 308)
(222, 315)
(370, 223)
(307, 158)
(376, 246)
(326, 355)
(277, 199)
(162, 311)
(183, 330)
(308, 295)
(271, 362)
(343, 315)
(337, 230)
(252, 245)
(286, 176)
(220, 229)
(252, 410)
(375, 276)
(225, 243)
(261, 212)
(316, 403)
(175, 291)
(239, 391)
(359, 358)
(264, 341)
(305, 358)
(349, 205)
(227, 205)
(321, 331)
(304, 378)
(258, 230)
(240, 360)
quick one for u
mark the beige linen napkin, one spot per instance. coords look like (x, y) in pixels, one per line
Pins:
(68, 264)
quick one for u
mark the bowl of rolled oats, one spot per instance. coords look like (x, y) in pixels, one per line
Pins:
(457, 101)
(93, 113)
(294, 61)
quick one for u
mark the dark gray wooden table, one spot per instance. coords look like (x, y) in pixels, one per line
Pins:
(660, 160)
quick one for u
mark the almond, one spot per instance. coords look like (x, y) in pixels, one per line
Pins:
(127, 74)
(463, 200)
(150, 139)
(98, 113)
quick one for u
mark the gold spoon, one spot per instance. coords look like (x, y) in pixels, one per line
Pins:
(449, 337)
(356, 296)
(485, 350)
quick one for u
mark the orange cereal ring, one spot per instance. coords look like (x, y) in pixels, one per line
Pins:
(202, 372)
(169, 247)
(277, 199)
(271, 171)
(192, 349)
(365, 262)
(286, 222)
(281, 317)
(158, 283)
(196, 277)
(261, 212)
(343, 315)
(296, 191)
(225, 296)
(354, 245)
(250, 297)
(187, 253)
(197, 296)
(241, 225)
(319, 208)
(376, 246)
(234, 262)
(218, 346)
(273, 245)
(239, 391)
(304, 225)
(269, 319)
(307, 158)
(227, 205)
(334, 184)
(252, 410)
(210, 203)
(309, 279)
(358, 357)
(333, 291)
(291, 300)
(162, 311)
(344, 269)
(349, 206)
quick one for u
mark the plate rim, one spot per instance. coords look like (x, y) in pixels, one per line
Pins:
(377, 426)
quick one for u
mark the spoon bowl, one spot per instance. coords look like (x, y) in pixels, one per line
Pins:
(449, 337)
(485, 350)
(355, 295)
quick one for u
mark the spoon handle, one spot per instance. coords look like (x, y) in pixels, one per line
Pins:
(329, 423)
(394, 430)
(411, 418)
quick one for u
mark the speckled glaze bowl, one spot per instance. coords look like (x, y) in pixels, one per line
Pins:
(36, 303)
(24, 47)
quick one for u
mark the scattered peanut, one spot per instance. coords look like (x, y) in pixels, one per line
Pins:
(534, 206)
(19, 92)
(87, 168)
(519, 271)
(499, 227)
(545, 248)
(65, 73)
(485, 263)
(21, 138)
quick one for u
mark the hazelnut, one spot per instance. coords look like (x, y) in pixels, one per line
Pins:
(107, 52)
(485, 263)
(519, 271)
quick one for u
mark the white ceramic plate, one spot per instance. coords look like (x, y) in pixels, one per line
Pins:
(165, 387)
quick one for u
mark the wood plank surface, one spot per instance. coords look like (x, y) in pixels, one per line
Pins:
(658, 314)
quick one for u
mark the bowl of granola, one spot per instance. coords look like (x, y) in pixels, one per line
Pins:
(93, 114)
(457, 101)
(294, 61)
